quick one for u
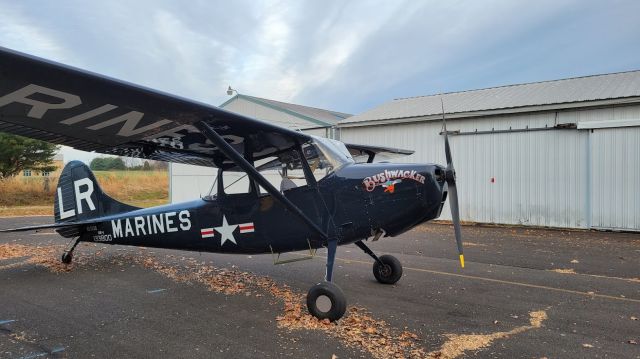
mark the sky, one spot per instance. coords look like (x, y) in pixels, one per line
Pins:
(346, 56)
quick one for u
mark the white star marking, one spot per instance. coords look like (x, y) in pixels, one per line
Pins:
(226, 231)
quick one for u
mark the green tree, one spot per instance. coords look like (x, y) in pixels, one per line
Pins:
(117, 163)
(18, 153)
(107, 163)
(97, 164)
(146, 166)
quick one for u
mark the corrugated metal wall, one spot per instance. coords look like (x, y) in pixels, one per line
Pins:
(615, 180)
(251, 109)
(541, 178)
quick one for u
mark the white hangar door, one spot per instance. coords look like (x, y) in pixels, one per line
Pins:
(615, 178)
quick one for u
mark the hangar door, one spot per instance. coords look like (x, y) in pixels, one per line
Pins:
(615, 178)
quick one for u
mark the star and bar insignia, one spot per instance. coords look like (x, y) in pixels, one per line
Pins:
(226, 231)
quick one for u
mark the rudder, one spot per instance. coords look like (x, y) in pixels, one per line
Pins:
(80, 198)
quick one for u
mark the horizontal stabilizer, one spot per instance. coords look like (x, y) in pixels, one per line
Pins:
(66, 225)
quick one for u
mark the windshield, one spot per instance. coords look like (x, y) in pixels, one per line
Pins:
(335, 153)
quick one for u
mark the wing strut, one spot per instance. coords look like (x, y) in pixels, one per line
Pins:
(241, 162)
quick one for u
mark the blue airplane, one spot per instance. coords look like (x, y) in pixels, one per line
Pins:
(329, 194)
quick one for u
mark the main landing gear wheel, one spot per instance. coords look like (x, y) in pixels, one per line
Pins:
(389, 272)
(67, 257)
(326, 301)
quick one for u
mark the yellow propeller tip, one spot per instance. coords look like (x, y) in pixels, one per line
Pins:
(462, 260)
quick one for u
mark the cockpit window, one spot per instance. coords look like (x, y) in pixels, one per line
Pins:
(285, 170)
(334, 151)
(325, 156)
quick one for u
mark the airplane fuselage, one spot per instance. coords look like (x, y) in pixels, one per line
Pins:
(350, 205)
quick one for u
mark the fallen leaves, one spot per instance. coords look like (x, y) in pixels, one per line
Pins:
(357, 329)
(21, 337)
(457, 344)
(563, 271)
(473, 244)
(37, 255)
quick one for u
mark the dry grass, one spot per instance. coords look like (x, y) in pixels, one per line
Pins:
(18, 191)
(137, 188)
(26, 211)
(28, 196)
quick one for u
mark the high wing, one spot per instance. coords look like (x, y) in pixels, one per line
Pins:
(64, 105)
(362, 153)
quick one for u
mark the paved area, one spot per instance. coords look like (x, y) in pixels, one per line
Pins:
(524, 294)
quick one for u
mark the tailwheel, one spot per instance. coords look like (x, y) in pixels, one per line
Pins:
(67, 257)
(326, 301)
(387, 269)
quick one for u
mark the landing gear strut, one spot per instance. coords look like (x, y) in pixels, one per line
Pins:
(387, 269)
(67, 256)
(326, 300)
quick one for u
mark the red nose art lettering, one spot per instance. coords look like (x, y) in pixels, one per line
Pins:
(388, 177)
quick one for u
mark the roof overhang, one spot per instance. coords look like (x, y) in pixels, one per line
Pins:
(589, 125)
(496, 112)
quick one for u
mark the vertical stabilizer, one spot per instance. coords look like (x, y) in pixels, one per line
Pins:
(80, 198)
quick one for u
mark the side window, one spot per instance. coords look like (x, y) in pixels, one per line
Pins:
(284, 171)
(294, 176)
(318, 163)
(273, 176)
(236, 182)
(291, 172)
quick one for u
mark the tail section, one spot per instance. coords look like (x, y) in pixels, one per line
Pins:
(79, 198)
(79, 203)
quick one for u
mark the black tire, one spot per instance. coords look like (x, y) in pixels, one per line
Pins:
(389, 272)
(335, 296)
(67, 257)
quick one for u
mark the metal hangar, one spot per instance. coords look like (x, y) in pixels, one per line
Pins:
(563, 153)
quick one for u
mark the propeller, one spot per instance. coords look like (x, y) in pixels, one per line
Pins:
(450, 177)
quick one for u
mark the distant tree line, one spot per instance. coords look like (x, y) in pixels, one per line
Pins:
(107, 163)
(117, 163)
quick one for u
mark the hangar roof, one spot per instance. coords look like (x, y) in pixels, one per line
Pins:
(593, 90)
(314, 115)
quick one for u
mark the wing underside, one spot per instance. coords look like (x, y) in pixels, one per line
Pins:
(63, 105)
